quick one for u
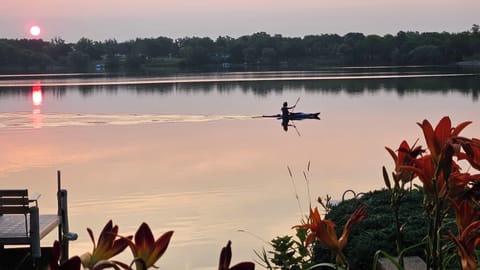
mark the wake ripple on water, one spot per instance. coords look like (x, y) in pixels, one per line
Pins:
(27, 120)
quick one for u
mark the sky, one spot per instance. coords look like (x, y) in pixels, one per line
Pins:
(123, 20)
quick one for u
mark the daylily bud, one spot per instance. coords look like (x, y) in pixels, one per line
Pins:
(85, 259)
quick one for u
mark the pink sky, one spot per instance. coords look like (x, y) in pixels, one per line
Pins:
(124, 20)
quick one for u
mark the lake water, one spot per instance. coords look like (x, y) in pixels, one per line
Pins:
(189, 153)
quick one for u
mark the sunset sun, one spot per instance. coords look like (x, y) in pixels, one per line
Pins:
(35, 30)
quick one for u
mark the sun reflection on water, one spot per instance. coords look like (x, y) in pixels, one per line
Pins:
(37, 100)
(37, 95)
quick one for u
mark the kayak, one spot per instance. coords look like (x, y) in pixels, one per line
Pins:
(296, 116)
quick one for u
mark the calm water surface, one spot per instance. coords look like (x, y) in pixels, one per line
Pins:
(189, 153)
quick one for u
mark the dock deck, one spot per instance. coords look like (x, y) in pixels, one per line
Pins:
(12, 228)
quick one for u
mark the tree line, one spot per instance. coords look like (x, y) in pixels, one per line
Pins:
(256, 50)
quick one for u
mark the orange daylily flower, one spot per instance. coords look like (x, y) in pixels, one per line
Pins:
(226, 257)
(472, 152)
(475, 156)
(145, 249)
(466, 243)
(463, 185)
(465, 214)
(108, 245)
(406, 157)
(406, 154)
(437, 139)
(324, 231)
(425, 169)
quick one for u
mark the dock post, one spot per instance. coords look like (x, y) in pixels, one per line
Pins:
(64, 236)
(35, 233)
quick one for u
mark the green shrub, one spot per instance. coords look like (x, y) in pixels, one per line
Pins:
(377, 230)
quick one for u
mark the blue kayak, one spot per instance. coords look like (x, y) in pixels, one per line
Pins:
(295, 116)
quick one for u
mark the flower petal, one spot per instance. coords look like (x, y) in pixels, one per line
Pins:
(243, 266)
(161, 246)
(225, 256)
(429, 137)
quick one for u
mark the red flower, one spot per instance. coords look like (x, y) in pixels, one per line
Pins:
(465, 214)
(145, 249)
(463, 186)
(226, 257)
(466, 243)
(406, 154)
(406, 157)
(438, 138)
(108, 245)
(472, 152)
(324, 231)
(426, 170)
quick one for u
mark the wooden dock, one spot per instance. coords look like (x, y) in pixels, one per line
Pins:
(12, 228)
(22, 224)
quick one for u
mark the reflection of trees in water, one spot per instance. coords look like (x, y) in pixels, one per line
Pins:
(58, 91)
(468, 85)
(402, 86)
(18, 91)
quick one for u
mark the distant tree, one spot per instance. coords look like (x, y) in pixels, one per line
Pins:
(324, 48)
(125, 48)
(41, 60)
(259, 48)
(24, 54)
(33, 45)
(354, 49)
(224, 43)
(58, 49)
(261, 40)
(400, 39)
(374, 50)
(196, 51)
(158, 47)
(249, 55)
(223, 49)
(6, 53)
(387, 46)
(475, 29)
(112, 62)
(353, 39)
(110, 47)
(345, 52)
(134, 61)
(235, 50)
(290, 48)
(269, 56)
(195, 55)
(90, 48)
(78, 60)
(425, 55)
(457, 47)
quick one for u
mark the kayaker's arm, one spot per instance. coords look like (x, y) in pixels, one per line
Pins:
(293, 107)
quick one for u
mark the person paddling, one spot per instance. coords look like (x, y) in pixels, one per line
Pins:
(286, 110)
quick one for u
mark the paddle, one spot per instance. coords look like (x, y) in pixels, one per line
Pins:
(293, 108)
(293, 124)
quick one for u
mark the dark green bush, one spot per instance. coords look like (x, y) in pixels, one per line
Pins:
(377, 230)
